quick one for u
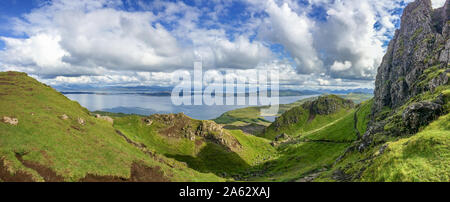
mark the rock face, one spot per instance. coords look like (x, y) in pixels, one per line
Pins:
(181, 126)
(420, 114)
(421, 42)
(417, 61)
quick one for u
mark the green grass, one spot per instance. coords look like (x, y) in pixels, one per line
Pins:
(201, 154)
(303, 124)
(70, 149)
(73, 150)
(342, 131)
(422, 157)
(297, 160)
(363, 115)
(134, 128)
(242, 116)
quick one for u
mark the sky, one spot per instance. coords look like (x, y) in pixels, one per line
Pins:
(314, 44)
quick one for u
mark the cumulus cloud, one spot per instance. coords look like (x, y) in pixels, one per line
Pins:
(89, 37)
(293, 31)
(325, 43)
(338, 66)
(437, 3)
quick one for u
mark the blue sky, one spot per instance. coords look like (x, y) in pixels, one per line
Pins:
(313, 43)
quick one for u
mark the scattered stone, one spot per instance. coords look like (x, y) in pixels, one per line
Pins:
(106, 118)
(148, 122)
(64, 117)
(11, 121)
(281, 139)
(81, 121)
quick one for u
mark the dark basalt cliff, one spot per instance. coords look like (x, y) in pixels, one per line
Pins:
(420, 43)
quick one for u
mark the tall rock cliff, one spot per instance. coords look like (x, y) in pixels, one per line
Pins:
(416, 64)
(420, 43)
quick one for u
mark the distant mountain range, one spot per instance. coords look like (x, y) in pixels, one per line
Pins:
(166, 91)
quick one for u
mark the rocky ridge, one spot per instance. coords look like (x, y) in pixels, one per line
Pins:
(416, 64)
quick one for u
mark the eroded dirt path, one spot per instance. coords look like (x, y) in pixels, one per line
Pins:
(48, 174)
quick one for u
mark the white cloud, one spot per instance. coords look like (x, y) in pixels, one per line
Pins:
(339, 66)
(437, 3)
(348, 33)
(293, 31)
(90, 41)
(90, 37)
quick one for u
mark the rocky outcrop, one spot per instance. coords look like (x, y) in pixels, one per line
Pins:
(10, 121)
(64, 117)
(181, 126)
(421, 42)
(215, 133)
(281, 139)
(416, 61)
(81, 121)
(105, 118)
(420, 114)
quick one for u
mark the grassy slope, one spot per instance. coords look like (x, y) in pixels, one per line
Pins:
(316, 150)
(70, 149)
(297, 121)
(363, 113)
(250, 115)
(422, 157)
(206, 157)
(418, 157)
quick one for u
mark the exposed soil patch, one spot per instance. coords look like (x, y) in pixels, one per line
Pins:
(76, 128)
(142, 173)
(6, 83)
(19, 176)
(139, 173)
(198, 142)
(48, 174)
(106, 178)
(138, 145)
(5, 79)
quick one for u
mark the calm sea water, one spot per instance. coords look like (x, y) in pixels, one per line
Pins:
(147, 105)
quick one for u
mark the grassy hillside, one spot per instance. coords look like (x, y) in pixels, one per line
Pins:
(398, 155)
(308, 117)
(249, 119)
(57, 139)
(202, 153)
(313, 144)
(46, 137)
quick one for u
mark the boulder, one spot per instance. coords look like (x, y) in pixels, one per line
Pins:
(11, 121)
(148, 122)
(81, 121)
(64, 117)
(421, 114)
(106, 118)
